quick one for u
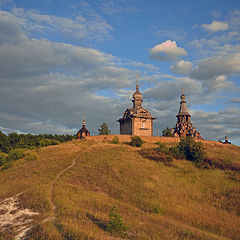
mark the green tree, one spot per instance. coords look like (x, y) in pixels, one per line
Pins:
(13, 139)
(167, 132)
(115, 224)
(4, 143)
(104, 129)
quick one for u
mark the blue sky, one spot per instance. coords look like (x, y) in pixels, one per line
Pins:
(62, 58)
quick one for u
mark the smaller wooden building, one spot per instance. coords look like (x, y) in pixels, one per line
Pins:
(83, 132)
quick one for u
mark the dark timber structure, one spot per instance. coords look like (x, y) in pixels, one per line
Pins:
(83, 132)
(184, 126)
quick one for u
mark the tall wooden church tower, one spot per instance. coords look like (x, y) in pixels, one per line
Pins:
(184, 126)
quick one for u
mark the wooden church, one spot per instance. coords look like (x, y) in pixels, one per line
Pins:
(136, 120)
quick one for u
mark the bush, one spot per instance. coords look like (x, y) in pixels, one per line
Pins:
(115, 224)
(48, 142)
(162, 147)
(45, 142)
(169, 159)
(136, 141)
(3, 157)
(193, 151)
(157, 209)
(115, 140)
(7, 165)
(15, 154)
(175, 151)
(54, 142)
(30, 156)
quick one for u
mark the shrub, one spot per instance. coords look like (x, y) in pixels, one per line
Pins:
(193, 151)
(30, 156)
(115, 140)
(45, 142)
(115, 224)
(54, 142)
(7, 165)
(162, 147)
(169, 159)
(175, 151)
(136, 141)
(3, 157)
(157, 209)
(48, 142)
(15, 154)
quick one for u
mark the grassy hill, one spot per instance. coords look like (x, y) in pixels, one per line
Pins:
(72, 186)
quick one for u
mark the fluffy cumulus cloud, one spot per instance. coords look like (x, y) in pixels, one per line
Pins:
(182, 67)
(218, 65)
(215, 26)
(165, 102)
(10, 31)
(167, 51)
(45, 86)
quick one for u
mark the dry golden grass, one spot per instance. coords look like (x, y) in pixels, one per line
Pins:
(156, 201)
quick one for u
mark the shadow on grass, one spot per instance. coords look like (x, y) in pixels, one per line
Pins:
(97, 221)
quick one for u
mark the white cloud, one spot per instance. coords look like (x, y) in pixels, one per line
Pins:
(10, 30)
(215, 26)
(182, 67)
(214, 66)
(44, 82)
(235, 100)
(169, 90)
(219, 124)
(46, 85)
(167, 51)
(79, 27)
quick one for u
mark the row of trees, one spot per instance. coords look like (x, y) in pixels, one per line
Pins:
(14, 140)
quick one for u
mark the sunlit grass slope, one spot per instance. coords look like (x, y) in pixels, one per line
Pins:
(155, 200)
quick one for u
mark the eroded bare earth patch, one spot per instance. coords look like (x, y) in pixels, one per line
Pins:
(15, 218)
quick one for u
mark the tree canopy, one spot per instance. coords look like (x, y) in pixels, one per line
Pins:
(14, 140)
(104, 129)
(167, 132)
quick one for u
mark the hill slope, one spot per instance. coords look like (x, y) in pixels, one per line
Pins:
(70, 189)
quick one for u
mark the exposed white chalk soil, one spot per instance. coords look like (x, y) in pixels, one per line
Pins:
(11, 215)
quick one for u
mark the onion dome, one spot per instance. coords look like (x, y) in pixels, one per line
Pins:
(137, 94)
(137, 98)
